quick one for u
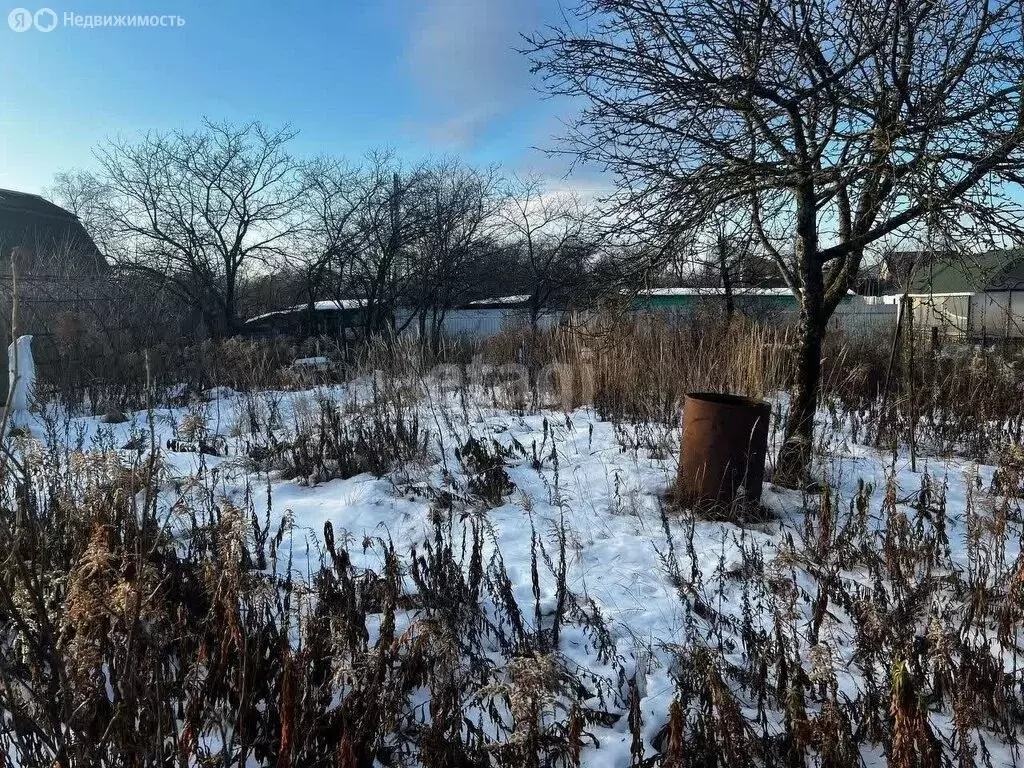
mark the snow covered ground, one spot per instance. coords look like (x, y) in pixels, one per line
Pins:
(605, 485)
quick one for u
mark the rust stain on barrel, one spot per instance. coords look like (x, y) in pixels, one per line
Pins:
(725, 441)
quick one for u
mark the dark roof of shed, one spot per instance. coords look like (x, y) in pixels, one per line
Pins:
(42, 227)
(25, 202)
(1001, 270)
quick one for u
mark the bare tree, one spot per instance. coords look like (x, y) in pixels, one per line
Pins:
(200, 207)
(324, 251)
(719, 255)
(455, 207)
(554, 237)
(836, 122)
(85, 195)
(386, 225)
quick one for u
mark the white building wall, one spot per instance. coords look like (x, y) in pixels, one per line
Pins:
(948, 313)
(994, 315)
(1017, 314)
(481, 323)
(477, 323)
(852, 316)
(856, 315)
(860, 317)
(997, 314)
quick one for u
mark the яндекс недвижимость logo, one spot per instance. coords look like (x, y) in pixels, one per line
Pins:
(46, 20)
(22, 20)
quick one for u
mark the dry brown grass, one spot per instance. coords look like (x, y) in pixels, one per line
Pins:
(135, 638)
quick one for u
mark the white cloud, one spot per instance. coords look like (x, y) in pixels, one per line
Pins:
(463, 60)
(461, 129)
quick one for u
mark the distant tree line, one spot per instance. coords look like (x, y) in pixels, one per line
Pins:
(228, 221)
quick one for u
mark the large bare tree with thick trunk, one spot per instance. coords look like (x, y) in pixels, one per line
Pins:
(836, 123)
(200, 207)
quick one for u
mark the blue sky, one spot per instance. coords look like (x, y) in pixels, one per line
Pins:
(423, 77)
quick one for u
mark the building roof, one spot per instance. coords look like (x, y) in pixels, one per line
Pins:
(26, 202)
(897, 266)
(715, 291)
(1001, 270)
(498, 302)
(46, 233)
(328, 305)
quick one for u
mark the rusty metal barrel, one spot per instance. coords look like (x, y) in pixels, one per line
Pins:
(725, 441)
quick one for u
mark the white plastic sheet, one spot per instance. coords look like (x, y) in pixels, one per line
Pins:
(20, 354)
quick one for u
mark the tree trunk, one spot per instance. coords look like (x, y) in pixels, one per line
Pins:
(5, 340)
(794, 464)
(437, 330)
(311, 319)
(723, 268)
(215, 315)
(230, 315)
